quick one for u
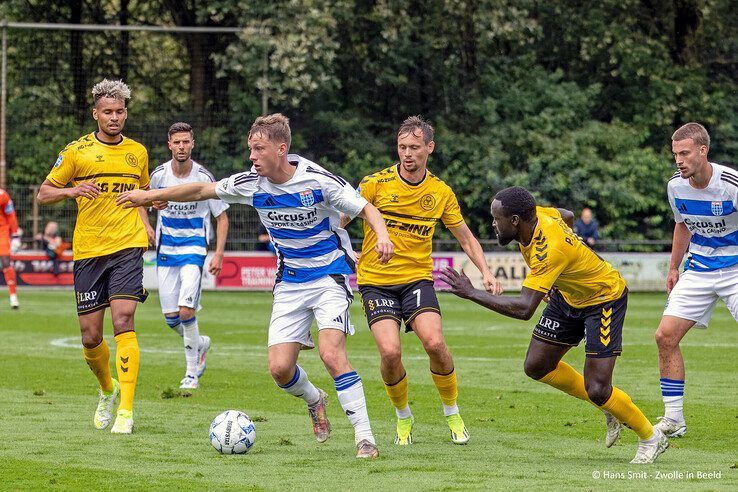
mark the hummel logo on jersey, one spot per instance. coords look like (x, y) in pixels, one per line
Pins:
(350, 412)
(124, 360)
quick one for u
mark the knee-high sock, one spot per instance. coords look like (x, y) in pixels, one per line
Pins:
(301, 387)
(448, 390)
(672, 391)
(98, 359)
(622, 407)
(351, 396)
(568, 380)
(191, 337)
(175, 324)
(398, 395)
(9, 273)
(126, 362)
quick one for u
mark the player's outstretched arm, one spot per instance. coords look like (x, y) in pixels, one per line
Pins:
(190, 192)
(679, 246)
(473, 250)
(384, 248)
(521, 307)
(49, 193)
(568, 216)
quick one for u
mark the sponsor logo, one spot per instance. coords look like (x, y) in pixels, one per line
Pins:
(548, 323)
(420, 230)
(307, 198)
(58, 161)
(717, 208)
(290, 218)
(428, 202)
(705, 226)
(131, 160)
(86, 296)
(386, 180)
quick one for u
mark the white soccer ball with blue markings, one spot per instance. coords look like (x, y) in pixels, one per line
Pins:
(232, 432)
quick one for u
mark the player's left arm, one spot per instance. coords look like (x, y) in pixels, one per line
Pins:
(568, 217)
(473, 250)
(520, 307)
(150, 233)
(221, 234)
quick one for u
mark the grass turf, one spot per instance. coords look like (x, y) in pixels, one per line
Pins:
(523, 433)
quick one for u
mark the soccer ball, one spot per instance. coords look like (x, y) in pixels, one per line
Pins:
(232, 432)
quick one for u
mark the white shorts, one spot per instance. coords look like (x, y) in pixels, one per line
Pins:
(326, 300)
(179, 286)
(695, 295)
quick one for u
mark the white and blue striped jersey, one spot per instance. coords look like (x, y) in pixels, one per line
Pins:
(711, 215)
(183, 229)
(302, 217)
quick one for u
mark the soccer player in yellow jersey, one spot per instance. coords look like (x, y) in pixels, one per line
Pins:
(588, 299)
(108, 245)
(411, 201)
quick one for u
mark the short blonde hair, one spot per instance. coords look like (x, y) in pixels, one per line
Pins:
(275, 127)
(114, 89)
(695, 131)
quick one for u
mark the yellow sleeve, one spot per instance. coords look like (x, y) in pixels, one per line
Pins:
(368, 189)
(64, 169)
(144, 180)
(550, 211)
(545, 270)
(451, 216)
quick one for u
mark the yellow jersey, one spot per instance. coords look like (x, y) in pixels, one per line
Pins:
(102, 227)
(410, 211)
(558, 259)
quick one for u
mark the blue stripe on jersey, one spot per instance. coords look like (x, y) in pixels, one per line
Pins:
(289, 200)
(324, 225)
(167, 240)
(711, 262)
(179, 260)
(174, 223)
(300, 275)
(716, 241)
(318, 249)
(702, 207)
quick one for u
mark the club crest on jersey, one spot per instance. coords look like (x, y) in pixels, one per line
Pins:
(717, 208)
(307, 198)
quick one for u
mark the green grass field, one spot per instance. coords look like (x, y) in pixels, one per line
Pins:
(523, 433)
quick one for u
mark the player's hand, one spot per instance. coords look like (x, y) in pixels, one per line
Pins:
(492, 285)
(671, 279)
(459, 282)
(385, 249)
(151, 234)
(216, 264)
(132, 199)
(86, 189)
(157, 205)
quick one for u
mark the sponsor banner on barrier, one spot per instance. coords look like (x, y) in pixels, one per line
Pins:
(35, 268)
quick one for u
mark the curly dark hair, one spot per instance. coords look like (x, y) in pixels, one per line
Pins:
(517, 201)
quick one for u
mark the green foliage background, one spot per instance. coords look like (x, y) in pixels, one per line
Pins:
(573, 100)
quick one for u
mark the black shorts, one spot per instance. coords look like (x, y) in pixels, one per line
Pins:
(398, 302)
(99, 280)
(601, 325)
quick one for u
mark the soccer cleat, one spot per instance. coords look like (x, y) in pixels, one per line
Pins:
(404, 434)
(459, 435)
(14, 301)
(321, 426)
(671, 428)
(613, 429)
(366, 449)
(202, 354)
(123, 422)
(649, 450)
(105, 406)
(189, 382)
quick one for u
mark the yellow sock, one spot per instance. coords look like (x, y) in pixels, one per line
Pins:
(568, 380)
(126, 362)
(447, 387)
(98, 359)
(622, 407)
(398, 393)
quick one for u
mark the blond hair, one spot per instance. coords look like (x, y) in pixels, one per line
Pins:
(114, 89)
(275, 127)
(695, 131)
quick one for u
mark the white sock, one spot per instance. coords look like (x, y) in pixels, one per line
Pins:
(404, 413)
(351, 396)
(450, 410)
(301, 387)
(674, 408)
(175, 324)
(191, 337)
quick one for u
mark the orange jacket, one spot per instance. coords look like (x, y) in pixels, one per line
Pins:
(8, 220)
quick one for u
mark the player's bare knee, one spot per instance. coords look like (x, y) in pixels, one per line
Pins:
(536, 368)
(598, 393)
(333, 358)
(391, 356)
(186, 313)
(91, 339)
(436, 348)
(282, 373)
(122, 322)
(665, 338)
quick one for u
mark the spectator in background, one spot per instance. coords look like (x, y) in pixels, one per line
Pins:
(587, 228)
(53, 244)
(8, 231)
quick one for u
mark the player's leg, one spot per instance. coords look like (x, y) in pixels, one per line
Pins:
(90, 288)
(125, 284)
(383, 312)
(169, 284)
(10, 278)
(289, 332)
(331, 308)
(189, 298)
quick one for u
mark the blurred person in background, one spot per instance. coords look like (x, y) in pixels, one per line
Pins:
(8, 232)
(587, 227)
